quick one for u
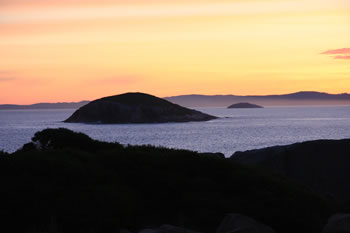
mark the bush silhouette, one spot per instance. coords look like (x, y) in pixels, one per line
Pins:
(63, 138)
(88, 185)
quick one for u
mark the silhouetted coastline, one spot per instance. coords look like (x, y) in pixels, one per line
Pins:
(88, 185)
(302, 98)
(63, 105)
(297, 99)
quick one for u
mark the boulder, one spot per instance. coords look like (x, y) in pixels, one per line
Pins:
(338, 223)
(124, 231)
(148, 230)
(167, 229)
(322, 165)
(237, 223)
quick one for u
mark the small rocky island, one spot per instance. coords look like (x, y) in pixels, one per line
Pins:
(244, 105)
(135, 108)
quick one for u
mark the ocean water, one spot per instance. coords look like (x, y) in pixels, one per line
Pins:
(236, 130)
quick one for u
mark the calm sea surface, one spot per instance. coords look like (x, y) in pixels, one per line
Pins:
(236, 130)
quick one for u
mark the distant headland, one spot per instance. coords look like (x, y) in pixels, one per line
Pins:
(135, 108)
(61, 105)
(302, 98)
(244, 105)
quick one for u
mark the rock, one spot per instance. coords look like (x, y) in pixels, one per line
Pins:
(148, 230)
(322, 165)
(135, 108)
(244, 105)
(338, 223)
(168, 229)
(173, 229)
(124, 231)
(237, 223)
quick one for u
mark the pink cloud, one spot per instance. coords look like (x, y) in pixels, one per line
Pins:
(342, 57)
(338, 51)
(343, 54)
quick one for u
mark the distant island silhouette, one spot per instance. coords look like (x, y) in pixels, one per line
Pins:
(61, 105)
(244, 105)
(135, 108)
(297, 99)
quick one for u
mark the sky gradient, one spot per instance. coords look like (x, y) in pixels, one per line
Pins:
(72, 50)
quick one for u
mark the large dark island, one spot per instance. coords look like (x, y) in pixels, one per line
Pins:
(135, 108)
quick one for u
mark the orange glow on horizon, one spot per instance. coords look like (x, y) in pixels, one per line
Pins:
(55, 51)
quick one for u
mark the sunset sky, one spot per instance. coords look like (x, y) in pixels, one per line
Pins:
(72, 50)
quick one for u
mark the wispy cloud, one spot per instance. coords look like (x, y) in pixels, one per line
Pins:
(338, 51)
(3, 72)
(342, 57)
(7, 76)
(343, 53)
(7, 79)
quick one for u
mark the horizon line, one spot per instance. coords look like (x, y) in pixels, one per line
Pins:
(164, 97)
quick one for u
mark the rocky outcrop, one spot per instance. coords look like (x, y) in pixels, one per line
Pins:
(232, 223)
(135, 108)
(323, 165)
(338, 223)
(244, 105)
(168, 229)
(124, 231)
(237, 223)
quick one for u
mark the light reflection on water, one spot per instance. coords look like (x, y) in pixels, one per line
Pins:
(237, 129)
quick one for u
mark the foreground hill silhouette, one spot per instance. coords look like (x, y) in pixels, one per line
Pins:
(135, 108)
(92, 186)
(323, 165)
(244, 105)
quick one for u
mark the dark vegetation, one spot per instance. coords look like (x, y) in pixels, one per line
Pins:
(135, 108)
(82, 185)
